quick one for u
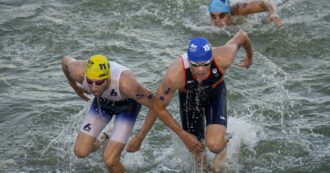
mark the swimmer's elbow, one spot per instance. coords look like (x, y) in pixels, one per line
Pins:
(242, 33)
(67, 59)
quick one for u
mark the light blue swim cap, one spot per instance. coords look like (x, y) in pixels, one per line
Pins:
(222, 6)
(199, 50)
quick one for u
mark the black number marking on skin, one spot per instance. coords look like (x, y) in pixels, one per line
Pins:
(161, 98)
(139, 95)
(149, 97)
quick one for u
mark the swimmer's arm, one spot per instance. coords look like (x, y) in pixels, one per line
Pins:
(242, 8)
(135, 143)
(164, 95)
(143, 96)
(151, 115)
(74, 72)
(131, 88)
(231, 48)
(66, 60)
(173, 81)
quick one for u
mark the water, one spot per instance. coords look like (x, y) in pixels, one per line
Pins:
(278, 109)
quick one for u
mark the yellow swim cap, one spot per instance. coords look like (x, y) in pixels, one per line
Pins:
(97, 67)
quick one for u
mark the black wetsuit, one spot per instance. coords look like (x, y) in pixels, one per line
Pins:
(206, 99)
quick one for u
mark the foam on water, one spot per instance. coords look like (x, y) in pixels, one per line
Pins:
(178, 158)
(62, 145)
(244, 132)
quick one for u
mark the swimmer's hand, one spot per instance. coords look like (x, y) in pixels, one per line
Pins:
(81, 92)
(192, 143)
(134, 144)
(246, 62)
(274, 18)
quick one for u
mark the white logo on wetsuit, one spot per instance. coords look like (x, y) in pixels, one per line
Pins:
(215, 72)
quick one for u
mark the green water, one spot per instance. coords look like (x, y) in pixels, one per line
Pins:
(279, 109)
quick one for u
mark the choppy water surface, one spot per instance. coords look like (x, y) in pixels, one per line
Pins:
(279, 108)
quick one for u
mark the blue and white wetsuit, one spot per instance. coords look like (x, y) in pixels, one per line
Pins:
(108, 104)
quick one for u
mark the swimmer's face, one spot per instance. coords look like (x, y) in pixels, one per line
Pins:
(220, 19)
(97, 86)
(200, 70)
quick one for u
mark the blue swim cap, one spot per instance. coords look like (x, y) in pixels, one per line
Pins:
(199, 50)
(222, 6)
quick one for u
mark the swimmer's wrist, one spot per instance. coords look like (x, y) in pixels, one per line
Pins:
(74, 85)
(140, 136)
(182, 133)
(273, 15)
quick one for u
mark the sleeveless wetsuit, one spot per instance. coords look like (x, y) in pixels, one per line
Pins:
(108, 104)
(200, 101)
